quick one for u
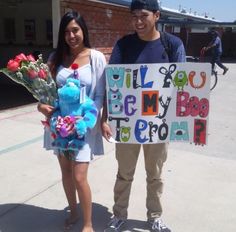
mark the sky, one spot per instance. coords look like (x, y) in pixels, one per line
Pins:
(220, 10)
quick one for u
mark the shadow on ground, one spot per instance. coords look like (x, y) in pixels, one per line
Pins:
(28, 218)
(135, 226)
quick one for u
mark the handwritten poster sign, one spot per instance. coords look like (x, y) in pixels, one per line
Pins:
(156, 103)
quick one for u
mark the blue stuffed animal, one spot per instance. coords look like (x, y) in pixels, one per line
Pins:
(73, 117)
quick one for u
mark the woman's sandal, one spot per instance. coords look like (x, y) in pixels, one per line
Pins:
(69, 223)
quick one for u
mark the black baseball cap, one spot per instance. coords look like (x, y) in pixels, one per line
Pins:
(151, 5)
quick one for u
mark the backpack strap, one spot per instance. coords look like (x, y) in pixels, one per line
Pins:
(166, 43)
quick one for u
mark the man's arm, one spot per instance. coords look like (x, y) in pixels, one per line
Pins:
(211, 45)
(178, 53)
(116, 57)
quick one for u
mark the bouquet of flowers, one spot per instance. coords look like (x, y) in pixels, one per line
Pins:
(34, 75)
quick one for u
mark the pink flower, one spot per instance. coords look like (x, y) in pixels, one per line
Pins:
(30, 58)
(21, 57)
(12, 65)
(42, 74)
(32, 73)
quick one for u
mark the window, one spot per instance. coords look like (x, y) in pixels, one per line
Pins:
(9, 29)
(30, 29)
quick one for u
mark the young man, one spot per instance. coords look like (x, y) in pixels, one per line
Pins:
(216, 49)
(144, 46)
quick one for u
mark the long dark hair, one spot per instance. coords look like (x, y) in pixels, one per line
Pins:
(62, 47)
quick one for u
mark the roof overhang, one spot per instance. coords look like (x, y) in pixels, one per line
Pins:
(120, 3)
(175, 17)
(178, 22)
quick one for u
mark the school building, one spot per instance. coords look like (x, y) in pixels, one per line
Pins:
(32, 25)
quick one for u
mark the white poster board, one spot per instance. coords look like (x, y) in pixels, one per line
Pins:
(156, 103)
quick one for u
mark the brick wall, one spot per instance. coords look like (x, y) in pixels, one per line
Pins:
(106, 23)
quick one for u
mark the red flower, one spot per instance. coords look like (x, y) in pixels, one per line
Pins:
(32, 73)
(30, 58)
(20, 57)
(12, 65)
(42, 74)
(74, 66)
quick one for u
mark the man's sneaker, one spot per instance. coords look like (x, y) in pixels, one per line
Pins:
(114, 224)
(157, 225)
(225, 71)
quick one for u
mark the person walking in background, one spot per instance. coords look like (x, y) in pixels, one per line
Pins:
(144, 46)
(216, 49)
(74, 48)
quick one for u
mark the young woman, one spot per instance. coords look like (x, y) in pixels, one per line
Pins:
(74, 47)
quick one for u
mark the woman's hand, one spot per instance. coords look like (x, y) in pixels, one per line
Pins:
(45, 109)
(106, 131)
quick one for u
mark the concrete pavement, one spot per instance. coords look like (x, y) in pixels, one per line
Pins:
(200, 182)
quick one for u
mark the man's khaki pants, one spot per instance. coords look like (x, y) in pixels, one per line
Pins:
(127, 155)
